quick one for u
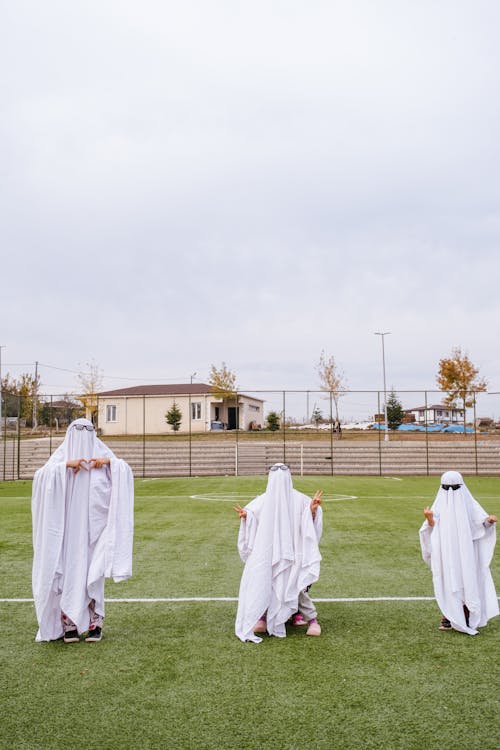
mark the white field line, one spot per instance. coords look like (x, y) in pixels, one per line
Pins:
(181, 599)
(325, 600)
(174, 599)
(235, 497)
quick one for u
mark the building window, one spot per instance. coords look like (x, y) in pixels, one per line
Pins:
(110, 413)
(196, 410)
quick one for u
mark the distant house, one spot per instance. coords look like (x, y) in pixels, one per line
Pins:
(63, 412)
(436, 414)
(484, 424)
(142, 408)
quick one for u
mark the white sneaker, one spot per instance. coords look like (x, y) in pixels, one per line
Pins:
(314, 629)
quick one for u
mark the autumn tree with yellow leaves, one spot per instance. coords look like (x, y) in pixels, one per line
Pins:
(458, 377)
(223, 382)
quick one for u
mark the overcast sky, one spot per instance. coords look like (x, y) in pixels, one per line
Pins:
(186, 183)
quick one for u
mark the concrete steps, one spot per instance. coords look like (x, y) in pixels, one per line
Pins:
(211, 458)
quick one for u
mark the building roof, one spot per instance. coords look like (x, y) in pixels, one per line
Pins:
(63, 403)
(435, 406)
(178, 389)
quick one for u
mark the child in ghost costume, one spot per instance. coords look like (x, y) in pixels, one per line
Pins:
(457, 540)
(278, 542)
(82, 509)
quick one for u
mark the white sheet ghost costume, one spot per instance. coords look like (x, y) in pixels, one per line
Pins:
(82, 531)
(278, 542)
(458, 549)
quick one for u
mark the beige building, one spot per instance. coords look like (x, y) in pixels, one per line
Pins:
(142, 409)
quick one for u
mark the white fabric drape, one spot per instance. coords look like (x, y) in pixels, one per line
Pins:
(82, 531)
(458, 549)
(278, 542)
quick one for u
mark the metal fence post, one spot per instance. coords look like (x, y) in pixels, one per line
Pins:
(379, 436)
(331, 434)
(426, 436)
(19, 437)
(190, 436)
(237, 453)
(4, 425)
(475, 431)
(144, 435)
(50, 425)
(284, 431)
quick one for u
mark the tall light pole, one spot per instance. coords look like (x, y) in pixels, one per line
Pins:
(382, 334)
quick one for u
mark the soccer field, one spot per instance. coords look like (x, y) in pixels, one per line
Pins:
(170, 672)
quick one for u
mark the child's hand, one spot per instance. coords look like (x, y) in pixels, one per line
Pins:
(240, 511)
(429, 514)
(316, 502)
(98, 463)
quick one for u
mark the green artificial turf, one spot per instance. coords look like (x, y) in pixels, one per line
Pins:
(173, 675)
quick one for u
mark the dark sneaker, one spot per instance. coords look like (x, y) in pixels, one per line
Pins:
(445, 624)
(466, 613)
(71, 636)
(94, 635)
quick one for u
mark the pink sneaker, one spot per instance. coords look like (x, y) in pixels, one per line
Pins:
(314, 629)
(298, 619)
(260, 626)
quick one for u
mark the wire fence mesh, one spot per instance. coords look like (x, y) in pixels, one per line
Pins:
(313, 431)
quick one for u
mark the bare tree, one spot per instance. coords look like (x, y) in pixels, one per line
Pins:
(91, 383)
(331, 379)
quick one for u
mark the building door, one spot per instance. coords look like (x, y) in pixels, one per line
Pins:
(232, 417)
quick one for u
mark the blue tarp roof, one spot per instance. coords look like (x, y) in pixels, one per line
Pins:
(411, 427)
(457, 428)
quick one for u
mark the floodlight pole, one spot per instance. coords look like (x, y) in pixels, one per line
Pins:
(382, 334)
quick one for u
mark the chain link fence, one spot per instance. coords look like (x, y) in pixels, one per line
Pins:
(313, 431)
